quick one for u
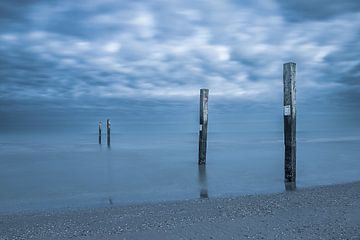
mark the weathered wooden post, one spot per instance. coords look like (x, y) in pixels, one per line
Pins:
(108, 124)
(204, 95)
(100, 123)
(289, 77)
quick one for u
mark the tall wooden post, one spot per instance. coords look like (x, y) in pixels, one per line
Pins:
(204, 95)
(100, 123)
(108, 125)
(289, 77)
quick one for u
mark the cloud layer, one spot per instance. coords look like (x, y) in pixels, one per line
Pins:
(161, 49)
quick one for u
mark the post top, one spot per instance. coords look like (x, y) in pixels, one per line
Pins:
(204, 89)
(289, 63)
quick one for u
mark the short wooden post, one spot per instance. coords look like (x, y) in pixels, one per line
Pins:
(100, 123)
(204, 95)
(289, 77)
(108, 125)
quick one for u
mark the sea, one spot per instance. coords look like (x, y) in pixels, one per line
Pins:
(51, 158)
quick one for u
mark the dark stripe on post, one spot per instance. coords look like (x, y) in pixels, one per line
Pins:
(289, 77)
(204, 95)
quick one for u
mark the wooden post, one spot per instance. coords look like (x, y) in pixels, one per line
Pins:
(108, 124)
(289, 77)
(100, 123)
(204, 95)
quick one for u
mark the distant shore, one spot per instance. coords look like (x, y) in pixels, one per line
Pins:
(329, 212)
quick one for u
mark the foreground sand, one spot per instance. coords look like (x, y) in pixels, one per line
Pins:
(331, 212)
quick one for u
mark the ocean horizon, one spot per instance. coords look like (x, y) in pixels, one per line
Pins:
(53, 160)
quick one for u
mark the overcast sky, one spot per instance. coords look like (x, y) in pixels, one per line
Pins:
(101, 49)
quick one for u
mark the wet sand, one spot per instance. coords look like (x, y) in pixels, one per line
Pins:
(329, 212)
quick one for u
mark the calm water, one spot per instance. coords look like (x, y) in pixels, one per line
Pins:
(53, 160)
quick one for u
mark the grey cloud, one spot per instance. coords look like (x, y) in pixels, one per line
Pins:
(13, 9)
(308, 10)
(119, 49)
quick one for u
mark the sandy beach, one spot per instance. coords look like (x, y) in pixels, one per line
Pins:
(328, 212)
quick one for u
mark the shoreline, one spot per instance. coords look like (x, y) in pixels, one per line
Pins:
(326, 211)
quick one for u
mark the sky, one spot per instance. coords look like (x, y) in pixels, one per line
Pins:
(78, 52)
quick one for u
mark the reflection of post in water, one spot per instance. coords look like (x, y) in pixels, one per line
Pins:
(290, 186)
(203, 182)
(100, 123)
(109, 179)
(108, 124)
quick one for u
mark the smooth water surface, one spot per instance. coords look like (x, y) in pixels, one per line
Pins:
(57, 162)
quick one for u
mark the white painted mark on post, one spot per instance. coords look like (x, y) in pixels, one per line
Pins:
(287, 110)
(200, 127)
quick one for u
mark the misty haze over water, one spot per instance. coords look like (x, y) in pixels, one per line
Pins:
(50, 156)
